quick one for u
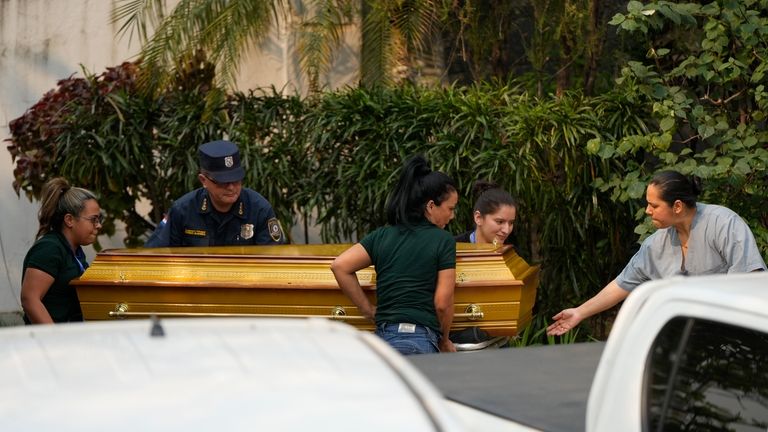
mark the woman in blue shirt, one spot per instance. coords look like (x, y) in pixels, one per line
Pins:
(692, 239)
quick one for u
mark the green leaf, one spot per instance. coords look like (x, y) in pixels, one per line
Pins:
(667, 123)
(617, 19)
(664, 141)
(607, 151)
(741, 167)
(593, 146)
(659, 91)
(634, 6)
(670, 13)
(706, 131)
(630, 25)
(636, 190)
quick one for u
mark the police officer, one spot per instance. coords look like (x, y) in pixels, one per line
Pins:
(221, 212)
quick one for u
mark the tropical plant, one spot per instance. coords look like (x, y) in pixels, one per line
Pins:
(704, 78)
(392, 32)
(220, 28)
(568, 160)
(553, 45)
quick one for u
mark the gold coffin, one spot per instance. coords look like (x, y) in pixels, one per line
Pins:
(495, 288)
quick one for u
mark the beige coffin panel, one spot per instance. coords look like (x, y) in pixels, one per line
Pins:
(495, 288)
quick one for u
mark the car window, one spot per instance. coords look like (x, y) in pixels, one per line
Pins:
(706, 376)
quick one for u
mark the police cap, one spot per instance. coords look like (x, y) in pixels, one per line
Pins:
(221, 161)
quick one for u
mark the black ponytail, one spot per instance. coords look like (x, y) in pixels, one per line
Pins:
(417, 185)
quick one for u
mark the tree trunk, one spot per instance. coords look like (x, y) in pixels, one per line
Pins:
(594, 47)
(564, 73)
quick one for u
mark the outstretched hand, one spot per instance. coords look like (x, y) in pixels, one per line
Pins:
(564, 321)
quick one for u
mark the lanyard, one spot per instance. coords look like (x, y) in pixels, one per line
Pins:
(80, 255)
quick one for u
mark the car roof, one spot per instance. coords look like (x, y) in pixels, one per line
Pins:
(743, 292)
(204, 374)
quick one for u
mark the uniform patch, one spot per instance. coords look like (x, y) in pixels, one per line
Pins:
(195, 232)
(275, 230)
(228, 161)
(246, 231)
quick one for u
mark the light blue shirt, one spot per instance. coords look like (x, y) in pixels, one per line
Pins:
(720, 242)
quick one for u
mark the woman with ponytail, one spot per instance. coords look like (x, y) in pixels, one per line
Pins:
(70, 218)
(494, 215)
(415, 261)
(692, 239)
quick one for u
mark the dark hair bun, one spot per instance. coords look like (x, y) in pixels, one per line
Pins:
(695, 184)
(482, 186)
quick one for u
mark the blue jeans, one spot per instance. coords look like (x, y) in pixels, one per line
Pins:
(421, 340)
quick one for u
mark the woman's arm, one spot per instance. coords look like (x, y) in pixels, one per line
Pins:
(344, 268)
(36, 284)
(446, 282)
(567, 319)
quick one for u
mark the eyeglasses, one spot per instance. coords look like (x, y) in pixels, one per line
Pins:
(96, 219)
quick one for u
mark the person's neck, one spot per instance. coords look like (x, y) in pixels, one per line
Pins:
(70, 239)
(221, 209)
(480, 239)
(683, 228)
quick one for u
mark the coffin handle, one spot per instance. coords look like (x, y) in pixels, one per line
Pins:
(120, 311)
(472, 312)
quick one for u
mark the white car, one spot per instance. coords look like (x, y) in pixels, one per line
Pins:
(211, 374)
(685, 353)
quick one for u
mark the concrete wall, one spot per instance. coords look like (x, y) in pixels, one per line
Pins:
(42, 41)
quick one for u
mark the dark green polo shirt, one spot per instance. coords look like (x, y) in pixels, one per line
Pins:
(52, 254)
(407, 261)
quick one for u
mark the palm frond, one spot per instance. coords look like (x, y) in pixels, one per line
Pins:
(320, 34)
(221, 28)
(138, 17)
(414, 20)
(378, 52)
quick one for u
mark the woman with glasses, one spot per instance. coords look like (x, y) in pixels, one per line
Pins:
(70, 217)
(692, 239)
(494, 215)
(415, 261)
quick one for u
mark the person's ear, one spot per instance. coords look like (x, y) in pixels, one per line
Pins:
(430, 205)
(677, 207)
(477, 217)
(202, 178)
(69, 220)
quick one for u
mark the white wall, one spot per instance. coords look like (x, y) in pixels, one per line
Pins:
(42, 41)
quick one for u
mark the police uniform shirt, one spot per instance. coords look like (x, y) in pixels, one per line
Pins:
(192, 221)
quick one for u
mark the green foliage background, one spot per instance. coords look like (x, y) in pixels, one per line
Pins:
(578, 165)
